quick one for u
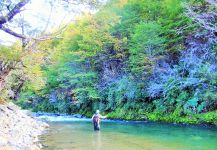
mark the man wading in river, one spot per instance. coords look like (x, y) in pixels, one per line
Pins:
(96, 120)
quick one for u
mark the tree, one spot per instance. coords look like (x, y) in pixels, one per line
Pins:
(24, 62)
(11, 8)
(11, 13)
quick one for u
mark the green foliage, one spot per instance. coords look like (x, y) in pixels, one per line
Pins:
(191, 104)
(134, 37)
(19, 70)
(12, 53)
(210, 117)
(145, 45)
(175, 24)
(119, 93)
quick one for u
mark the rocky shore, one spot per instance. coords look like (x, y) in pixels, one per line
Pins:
(18, 129)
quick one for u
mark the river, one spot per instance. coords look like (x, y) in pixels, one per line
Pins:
(78, 134)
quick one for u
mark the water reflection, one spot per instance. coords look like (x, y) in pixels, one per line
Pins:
(96, 140)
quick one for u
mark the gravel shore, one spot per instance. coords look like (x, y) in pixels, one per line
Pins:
(18, 129)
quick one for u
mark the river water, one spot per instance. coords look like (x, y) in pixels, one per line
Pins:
(79, 135)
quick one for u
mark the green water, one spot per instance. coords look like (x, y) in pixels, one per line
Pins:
(128, 136)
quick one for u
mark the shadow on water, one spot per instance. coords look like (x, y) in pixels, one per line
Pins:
(128, 136)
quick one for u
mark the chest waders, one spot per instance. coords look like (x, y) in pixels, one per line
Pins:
(96, 122)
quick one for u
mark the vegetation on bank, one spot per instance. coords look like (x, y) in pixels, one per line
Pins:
(133, 59)
(205, 118)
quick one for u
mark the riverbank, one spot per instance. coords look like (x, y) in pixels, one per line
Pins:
(209, 118)
(18, 129)
(177, 116)
(61, 117)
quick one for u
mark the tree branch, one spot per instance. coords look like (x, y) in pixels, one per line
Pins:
(13, 12)
(9, 31)
(17, 9)
(44, 37)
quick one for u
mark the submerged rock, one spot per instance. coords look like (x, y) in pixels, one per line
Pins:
(18, 129)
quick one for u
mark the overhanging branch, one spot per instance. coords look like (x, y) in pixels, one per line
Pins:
(56, 34)
(9, 31)
(13, 12)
